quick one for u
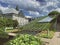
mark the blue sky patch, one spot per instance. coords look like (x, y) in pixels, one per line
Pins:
(34, 8)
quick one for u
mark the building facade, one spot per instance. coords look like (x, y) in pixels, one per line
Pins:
(12, 13)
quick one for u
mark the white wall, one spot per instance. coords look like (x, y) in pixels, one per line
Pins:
(21, 21)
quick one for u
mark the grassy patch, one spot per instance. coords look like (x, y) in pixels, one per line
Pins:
(45, 35)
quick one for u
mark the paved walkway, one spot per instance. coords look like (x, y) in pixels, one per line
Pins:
(56, 39)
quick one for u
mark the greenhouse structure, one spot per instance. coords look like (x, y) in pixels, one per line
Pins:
(52, 21)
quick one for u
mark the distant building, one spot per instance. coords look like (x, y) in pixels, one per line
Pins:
(29, 18)
(15, 15)
(49, 20)
(21, 20)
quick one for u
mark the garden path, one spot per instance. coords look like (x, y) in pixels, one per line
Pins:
(56, 39)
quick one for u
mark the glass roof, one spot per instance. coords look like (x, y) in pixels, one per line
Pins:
(47, 19)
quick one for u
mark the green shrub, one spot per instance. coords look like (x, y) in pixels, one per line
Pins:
(4, 22)
(15, 23)
(3, 34)
(45, 35)
(25, 40)
(9, 23)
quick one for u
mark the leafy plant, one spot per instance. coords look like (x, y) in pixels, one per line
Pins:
(4, 22)
(3, 34)
(25, 39)
(54, 13)
(15, 23)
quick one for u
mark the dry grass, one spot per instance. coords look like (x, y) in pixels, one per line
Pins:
(45, 35)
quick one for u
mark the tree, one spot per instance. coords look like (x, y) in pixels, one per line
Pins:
(9, 23)
(17, 8)
(1, 12)
(21, 14)
(54, 13)
(15, 23)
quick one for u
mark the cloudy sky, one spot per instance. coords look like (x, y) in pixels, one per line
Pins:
(34, 8)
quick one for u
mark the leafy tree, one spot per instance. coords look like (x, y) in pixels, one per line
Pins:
(4, 22)
(54, 13)
(17, 8)
(9, 23)
(0, 12)
(15, 23)
(21, 14)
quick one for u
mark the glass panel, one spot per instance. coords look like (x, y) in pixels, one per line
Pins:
(47, 19)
